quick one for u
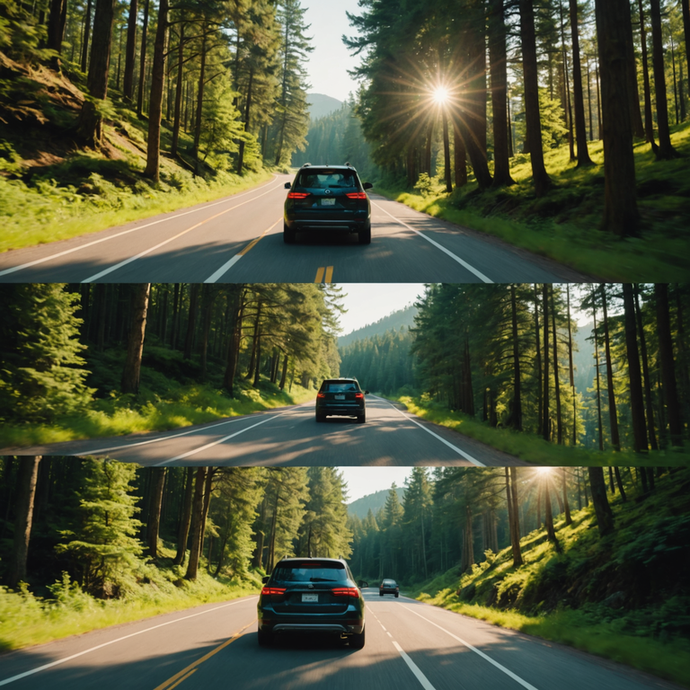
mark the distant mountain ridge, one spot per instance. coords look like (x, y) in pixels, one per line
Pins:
(396, 320)
(321, 105)
(374, 501)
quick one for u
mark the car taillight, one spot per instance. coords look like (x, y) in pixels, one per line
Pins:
(356, 195)
(273, 590)
(359, 396)
(321, 395)
(298, 195)
(345, 592)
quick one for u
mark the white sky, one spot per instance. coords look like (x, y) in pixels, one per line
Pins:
(368, 302)
(330, 60)
(362, 481)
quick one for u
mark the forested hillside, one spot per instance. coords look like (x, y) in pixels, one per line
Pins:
(562, 116)
(577, 555)
(92, 358)
(397, 320)
(373, 502)
(102, 104)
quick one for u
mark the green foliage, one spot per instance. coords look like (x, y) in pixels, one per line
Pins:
(40, 379)
(103, 549)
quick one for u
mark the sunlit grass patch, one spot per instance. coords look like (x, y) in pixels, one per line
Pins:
(534, 449)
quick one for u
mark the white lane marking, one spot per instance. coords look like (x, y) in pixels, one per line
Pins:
(387, 633)
(7, 681)
(423, 680)
(116, 267)
(464, 264)
(500, 667)
(229, 264)
(222, 440)
(14, 269)
(465, 455)
(163, 438)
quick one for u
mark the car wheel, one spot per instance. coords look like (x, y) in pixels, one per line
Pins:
(381, 593)
(365, 235)
(396, 595)
(288, 235)
(320, 418)
(265, 638)
(357, 640)
(362, 418)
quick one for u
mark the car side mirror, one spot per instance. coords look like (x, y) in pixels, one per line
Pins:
(288, 185)
(367, 185)
(363, 584)
(265, 579)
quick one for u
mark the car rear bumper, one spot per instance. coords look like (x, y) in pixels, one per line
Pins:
(340, 410)
(345, 627)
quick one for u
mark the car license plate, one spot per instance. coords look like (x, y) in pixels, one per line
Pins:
(340, 397)
(327, 202)
(310, 597)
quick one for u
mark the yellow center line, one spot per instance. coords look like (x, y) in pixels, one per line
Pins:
(256, 240)
(324, 274)
(329, 274)
(319, 275)
(186, 672)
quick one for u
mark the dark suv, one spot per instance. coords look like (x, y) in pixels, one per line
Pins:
(305, 595)
(342, 398)
(327, 197)
(389, 586)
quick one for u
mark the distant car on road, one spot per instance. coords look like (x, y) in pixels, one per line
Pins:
(341, 398)
(311, 595)
(327, 198)
(389, 586)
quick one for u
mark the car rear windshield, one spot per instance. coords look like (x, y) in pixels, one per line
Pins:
(310, 571)
(340, 387)
(327, 179)
(389, 583)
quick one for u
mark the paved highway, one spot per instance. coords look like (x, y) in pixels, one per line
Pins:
(409, 645)
(291, 436)
(239, 239)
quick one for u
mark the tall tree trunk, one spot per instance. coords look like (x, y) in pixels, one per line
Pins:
(645, 371)
(566, 503)
(460, 155)
(636, 397)
(668, 373)
(247, 113)
(191, 320)
(621, 216)
(537, 364)
(666, 150)
(613, 416)
(153, 142)
(90, 121)
(85, 37)
(446, 151)
(516, 413)
(548, 512)
(197, 524)
(556, 375)
(56, 29)
(602, 509)
(571, 367)
(598, 376)
(156, 502)
(546, 421)
(27, 477)
(135, 341)
(283, 375)
(542, 182)
(499, 92)
(583, 158)
(633, 89)
(130, 52)
(183, 532)
(685, 4)
(200, 99)
(233, 342)
(142, 60)
(178, 93)
(648, 118)
(515, 534)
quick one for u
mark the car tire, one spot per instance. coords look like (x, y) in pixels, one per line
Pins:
(396, 595)
(265, 638)
(381, 593)
(289, 234)
(320, 418)
(365, 235)
(362, 418)
(357, 640)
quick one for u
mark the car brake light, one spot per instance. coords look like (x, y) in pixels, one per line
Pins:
(321, 395)
(359, 396)
(356, 195)
(297, 195)
(273, 590)
(345, 592)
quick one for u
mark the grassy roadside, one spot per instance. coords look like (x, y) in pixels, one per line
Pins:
(182, 405)
(560, 594)
(26, 619)
(534, 449)
(564, 225)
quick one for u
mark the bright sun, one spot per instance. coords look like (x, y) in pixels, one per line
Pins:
(440, 95)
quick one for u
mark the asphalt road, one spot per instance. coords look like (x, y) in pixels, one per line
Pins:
(239, 239)
(291, 436)
(409, 645)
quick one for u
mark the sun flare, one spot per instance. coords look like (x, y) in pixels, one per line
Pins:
(440, 95)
